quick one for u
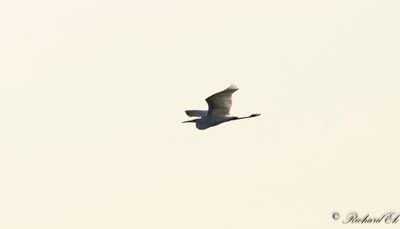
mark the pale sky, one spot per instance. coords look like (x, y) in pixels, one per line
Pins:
(93, 93)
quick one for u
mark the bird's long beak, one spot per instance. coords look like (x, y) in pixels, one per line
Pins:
(194, 120)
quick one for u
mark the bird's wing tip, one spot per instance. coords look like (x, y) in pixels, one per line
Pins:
(233, 87)
(196, 113)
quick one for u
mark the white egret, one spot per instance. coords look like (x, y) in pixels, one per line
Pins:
(219, 105)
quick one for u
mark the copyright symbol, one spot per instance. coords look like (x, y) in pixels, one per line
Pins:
(335, 215)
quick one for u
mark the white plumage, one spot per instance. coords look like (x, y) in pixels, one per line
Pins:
(219, 105)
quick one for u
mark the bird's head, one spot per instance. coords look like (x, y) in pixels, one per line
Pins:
(193, 120)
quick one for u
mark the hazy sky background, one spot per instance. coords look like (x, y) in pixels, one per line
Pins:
(92, 95)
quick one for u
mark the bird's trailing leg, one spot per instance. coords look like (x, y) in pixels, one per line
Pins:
(250, 116)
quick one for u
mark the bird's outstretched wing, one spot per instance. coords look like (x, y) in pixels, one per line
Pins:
(196, 113)
(220, 103)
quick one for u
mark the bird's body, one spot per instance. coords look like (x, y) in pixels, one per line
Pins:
(210, 121)
(219, 105)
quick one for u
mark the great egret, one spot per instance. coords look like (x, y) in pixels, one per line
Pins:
(219, 105)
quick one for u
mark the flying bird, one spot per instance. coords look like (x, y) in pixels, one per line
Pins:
(219, 105)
